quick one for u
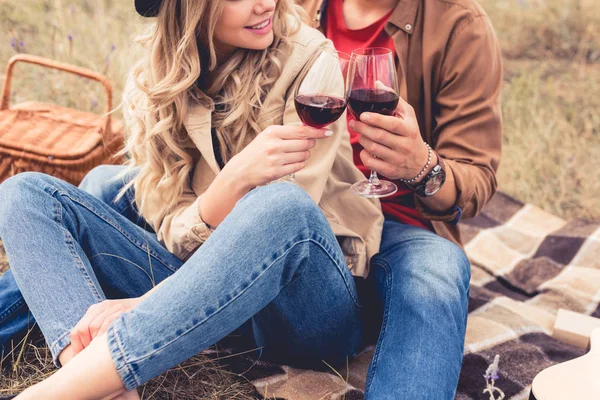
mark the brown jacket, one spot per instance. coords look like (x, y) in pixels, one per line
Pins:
(357, 222)
(450, 71)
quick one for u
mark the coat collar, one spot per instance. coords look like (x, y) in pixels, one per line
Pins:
(404, 15)
(198, 124)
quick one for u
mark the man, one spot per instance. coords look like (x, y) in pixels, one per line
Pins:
(450, 74)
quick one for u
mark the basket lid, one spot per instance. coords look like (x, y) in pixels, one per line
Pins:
(50, 130)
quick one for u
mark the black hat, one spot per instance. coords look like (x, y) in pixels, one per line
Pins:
(147, 8)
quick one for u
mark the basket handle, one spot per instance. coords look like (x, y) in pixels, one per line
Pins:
(45, 62)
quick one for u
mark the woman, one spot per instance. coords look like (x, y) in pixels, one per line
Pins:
(211, 123)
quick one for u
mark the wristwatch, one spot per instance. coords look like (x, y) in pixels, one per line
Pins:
(433, 182)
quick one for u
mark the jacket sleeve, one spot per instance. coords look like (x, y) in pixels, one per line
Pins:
(182, 230)
(468, 126)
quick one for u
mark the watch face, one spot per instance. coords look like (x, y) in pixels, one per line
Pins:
(434, 184)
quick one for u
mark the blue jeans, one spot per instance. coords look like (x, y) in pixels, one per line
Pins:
(417, 291)
(422, 284)
(274, 260)
(16, 320)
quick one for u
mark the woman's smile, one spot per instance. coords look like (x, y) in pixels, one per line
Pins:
(261, 28)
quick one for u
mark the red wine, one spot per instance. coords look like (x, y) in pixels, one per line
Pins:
(372, 100)
(319, 110)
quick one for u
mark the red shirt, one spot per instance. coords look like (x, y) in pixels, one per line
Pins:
(401, 205)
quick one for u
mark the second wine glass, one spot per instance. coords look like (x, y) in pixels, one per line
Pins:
(372, 87)
(320, 97)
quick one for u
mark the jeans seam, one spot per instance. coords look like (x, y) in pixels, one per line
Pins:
(63, 342)
(15, 307)
(121, 349)
(383, 264)
(141, 358)
(68, 237)
(136, 243)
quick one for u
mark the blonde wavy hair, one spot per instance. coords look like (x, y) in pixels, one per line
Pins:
(179, 50)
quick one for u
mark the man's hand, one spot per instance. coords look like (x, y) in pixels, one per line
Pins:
(393, 145)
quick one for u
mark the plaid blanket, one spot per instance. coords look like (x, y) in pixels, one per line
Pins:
(526, 264)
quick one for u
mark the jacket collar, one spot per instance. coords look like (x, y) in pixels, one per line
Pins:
(404, 16)
(198, 124)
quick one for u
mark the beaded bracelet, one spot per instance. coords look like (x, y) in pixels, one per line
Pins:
(416, 178)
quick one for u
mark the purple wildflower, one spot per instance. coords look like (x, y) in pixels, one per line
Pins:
(491, 375)
(70, 37)
(21, 44)
(13, 43)
(112, 48)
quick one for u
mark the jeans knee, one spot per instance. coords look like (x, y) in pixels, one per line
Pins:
(17, 190)
(427, 269)
(452, 271)
(455, 263)
(284, 204)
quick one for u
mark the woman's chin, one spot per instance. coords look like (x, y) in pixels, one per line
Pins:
(259, 43)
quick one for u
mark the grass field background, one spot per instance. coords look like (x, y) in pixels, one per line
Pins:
(551, 94)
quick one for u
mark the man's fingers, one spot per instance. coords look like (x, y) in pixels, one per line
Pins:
(404, 110)
(389, 123)
(376, 149)
(379, 166)
(376, 134)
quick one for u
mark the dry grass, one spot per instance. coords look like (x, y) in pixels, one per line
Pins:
(550, 103)
(197, 378)
(552, 136)
(550, 108)
(552, 60)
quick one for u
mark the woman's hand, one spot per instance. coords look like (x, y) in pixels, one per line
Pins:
(97, 319)
(276, 152)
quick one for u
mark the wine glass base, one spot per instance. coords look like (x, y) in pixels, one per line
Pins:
(374, 190)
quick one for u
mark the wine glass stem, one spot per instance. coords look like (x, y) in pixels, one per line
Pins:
(373, 179)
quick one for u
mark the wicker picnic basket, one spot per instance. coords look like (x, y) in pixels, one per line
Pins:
(56, 140)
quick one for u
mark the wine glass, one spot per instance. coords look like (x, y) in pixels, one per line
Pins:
(372, 87)
(320, 98)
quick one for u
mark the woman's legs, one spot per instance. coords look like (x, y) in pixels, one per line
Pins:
(69, 250)
(275, 248)
(423, 282)
(15, 318)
